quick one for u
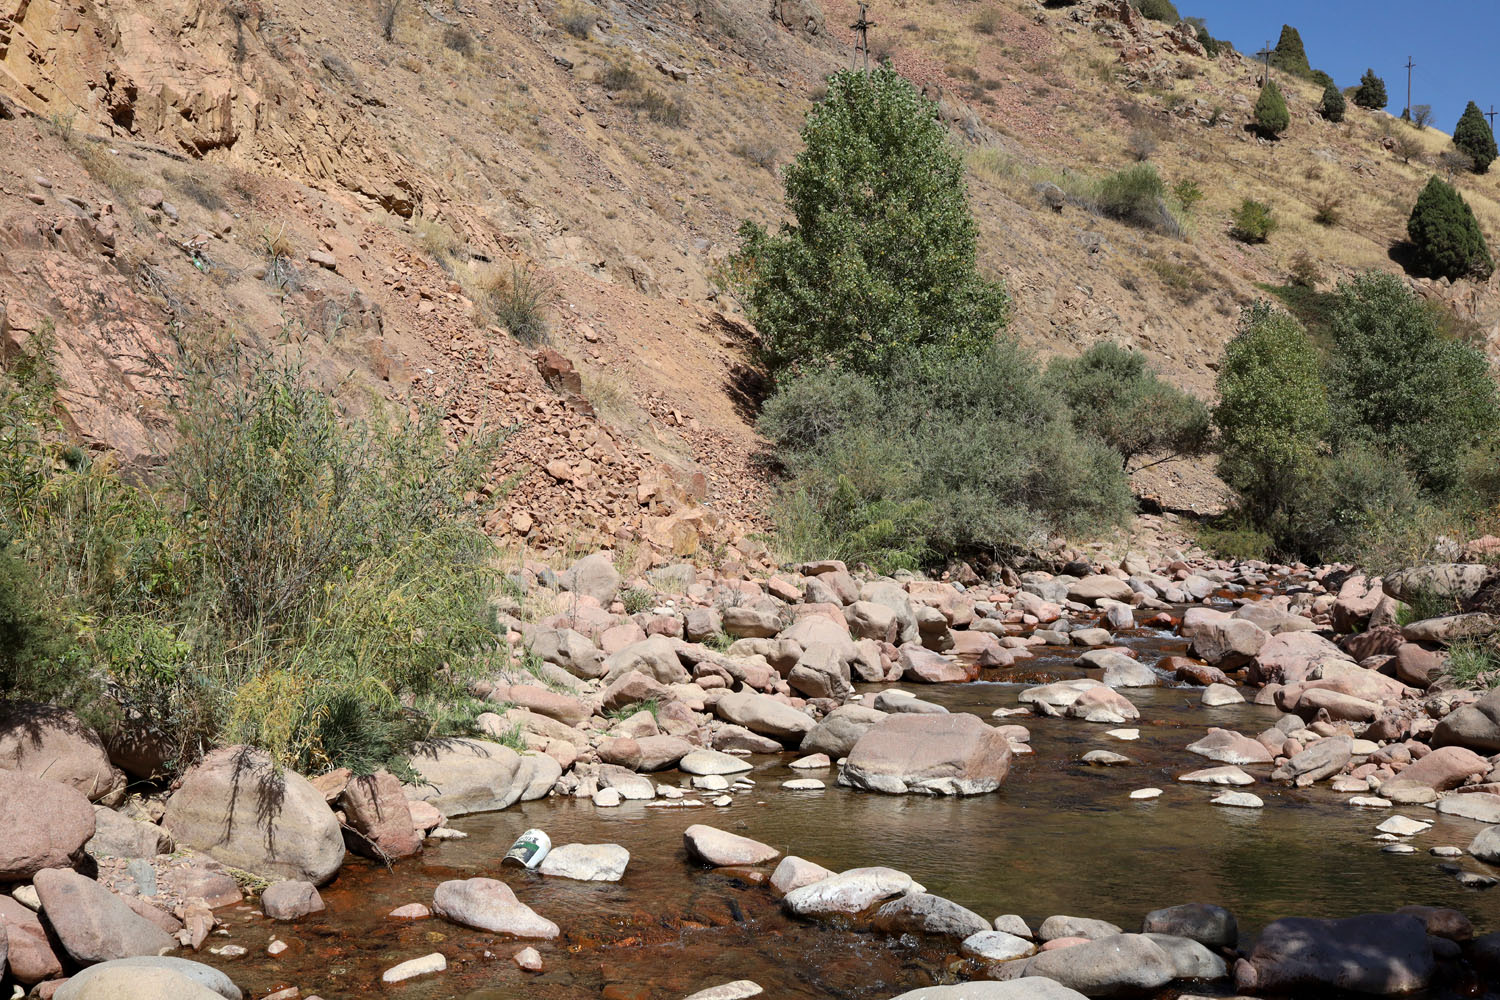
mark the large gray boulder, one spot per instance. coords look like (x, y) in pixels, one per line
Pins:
(847, 893)
(655, 657)
(840, 729)
(760, 713)
(92, 923)
(570, 650)
(31, 956)
(1324, 758)
(470, 776)
(924, 913)
(1121, 965)
(1454, 581)
(593, 575)
(237, 808)
(43, 824)
(1476, 726)
(1190, 959)
(1228, 644)
(1376, 953)
(719, 848)
(52, 743)
(89, 982)
(952, 754)
(118, 836)
(488, 904)
(1205, 923)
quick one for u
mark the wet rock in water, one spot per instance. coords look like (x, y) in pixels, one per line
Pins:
(43, 824)
(1379, 953)
(529, 959)
(1104, 705)
(893, 700)
(44, 741)
(794, 872)
(30, 956)
(219, 809)
(1120, 965)
(924, 913)
(1479, 807)
(719, 848)
(1325, 757)
(1191, 959)
(997, 946)
(290, 900)
(1127, 735)
(803, 785)
(587, 862)
(740, 738)
(1146, 793)
(92, 923)
(1228, 643)
(1062, 926)
(411, 911)
(1209, 925)
(1486, 845)
(956, 754)
(1404, 826)
(1241, 800)
(740, 989)
(702, 782)
(1106, 758)
(203, 977)
(1100, 586)
(924, 666)
(1445, 768)
(1218, 695)
(1229, 747)
(1442, 921)
(849, 892)
(375, 809)
(811, 762)
(712, 762)
(1012, 923)
(414, 967)
(1226, 775)
(840, 729)
(1059, 694)
(1090, 637)
(1370, 802)
(607, 798)
(763, 714)
(1121, 671)
(488, 904)
(630, 786)
(1026, 988)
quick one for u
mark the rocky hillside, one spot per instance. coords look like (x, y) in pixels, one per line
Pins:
(356, 185)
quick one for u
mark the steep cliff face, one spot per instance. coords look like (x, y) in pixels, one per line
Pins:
(357, 183)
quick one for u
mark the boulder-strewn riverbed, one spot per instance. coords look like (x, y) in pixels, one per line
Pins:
(1087, 773)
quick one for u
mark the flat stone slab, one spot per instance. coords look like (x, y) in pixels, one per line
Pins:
(1145, 793)
(1404, 826)
(1227, 775)
(1241, 800)
(711, 762)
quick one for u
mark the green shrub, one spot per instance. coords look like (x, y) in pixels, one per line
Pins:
(1323, 80)
(619, 76)
(1399, 385)
(40, 659)
(1474, 664)
(1473, 136)
(1271, 417)
(1332, 105)
(1158, 10)
(1271, 115)
(1445, 236)
(520, 304)
(947, 456)
(1231, 539)
(1289, 55)
(294, 580)
(1137, 195)
(459, 41)
(1188, 194)
(876, 173)
(1116, 399)
(637, 599)
(1371, 91)
(1253, 222)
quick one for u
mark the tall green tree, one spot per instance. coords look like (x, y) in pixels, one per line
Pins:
(1400, 386)
(1271, 115)
(1445, 236)
(1473, 135)
(1289, 55)
(1114, 397)
(1272, 414)
(1371, 91)
(879, 259)
(1332, 105)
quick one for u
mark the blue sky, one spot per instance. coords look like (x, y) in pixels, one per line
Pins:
(1452, 43)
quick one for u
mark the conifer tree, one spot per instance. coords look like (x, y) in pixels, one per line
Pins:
(1371, 92)
(1445, 235)
(1332, 105)
(1289, 55)
(1473, 136)
(1271, 115)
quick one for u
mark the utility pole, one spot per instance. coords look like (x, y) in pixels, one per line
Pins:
(861, 38)
(1268, 60)
(1490, 114)
(1409, 65)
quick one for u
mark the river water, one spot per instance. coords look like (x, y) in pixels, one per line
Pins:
(1059, 837)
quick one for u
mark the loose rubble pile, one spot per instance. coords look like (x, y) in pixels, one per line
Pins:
(715, 670)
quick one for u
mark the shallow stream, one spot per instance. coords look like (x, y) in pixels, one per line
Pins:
(1059, 837)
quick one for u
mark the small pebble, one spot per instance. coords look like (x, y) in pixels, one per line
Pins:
(724, 800)
(529, 959)
(276, 947)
